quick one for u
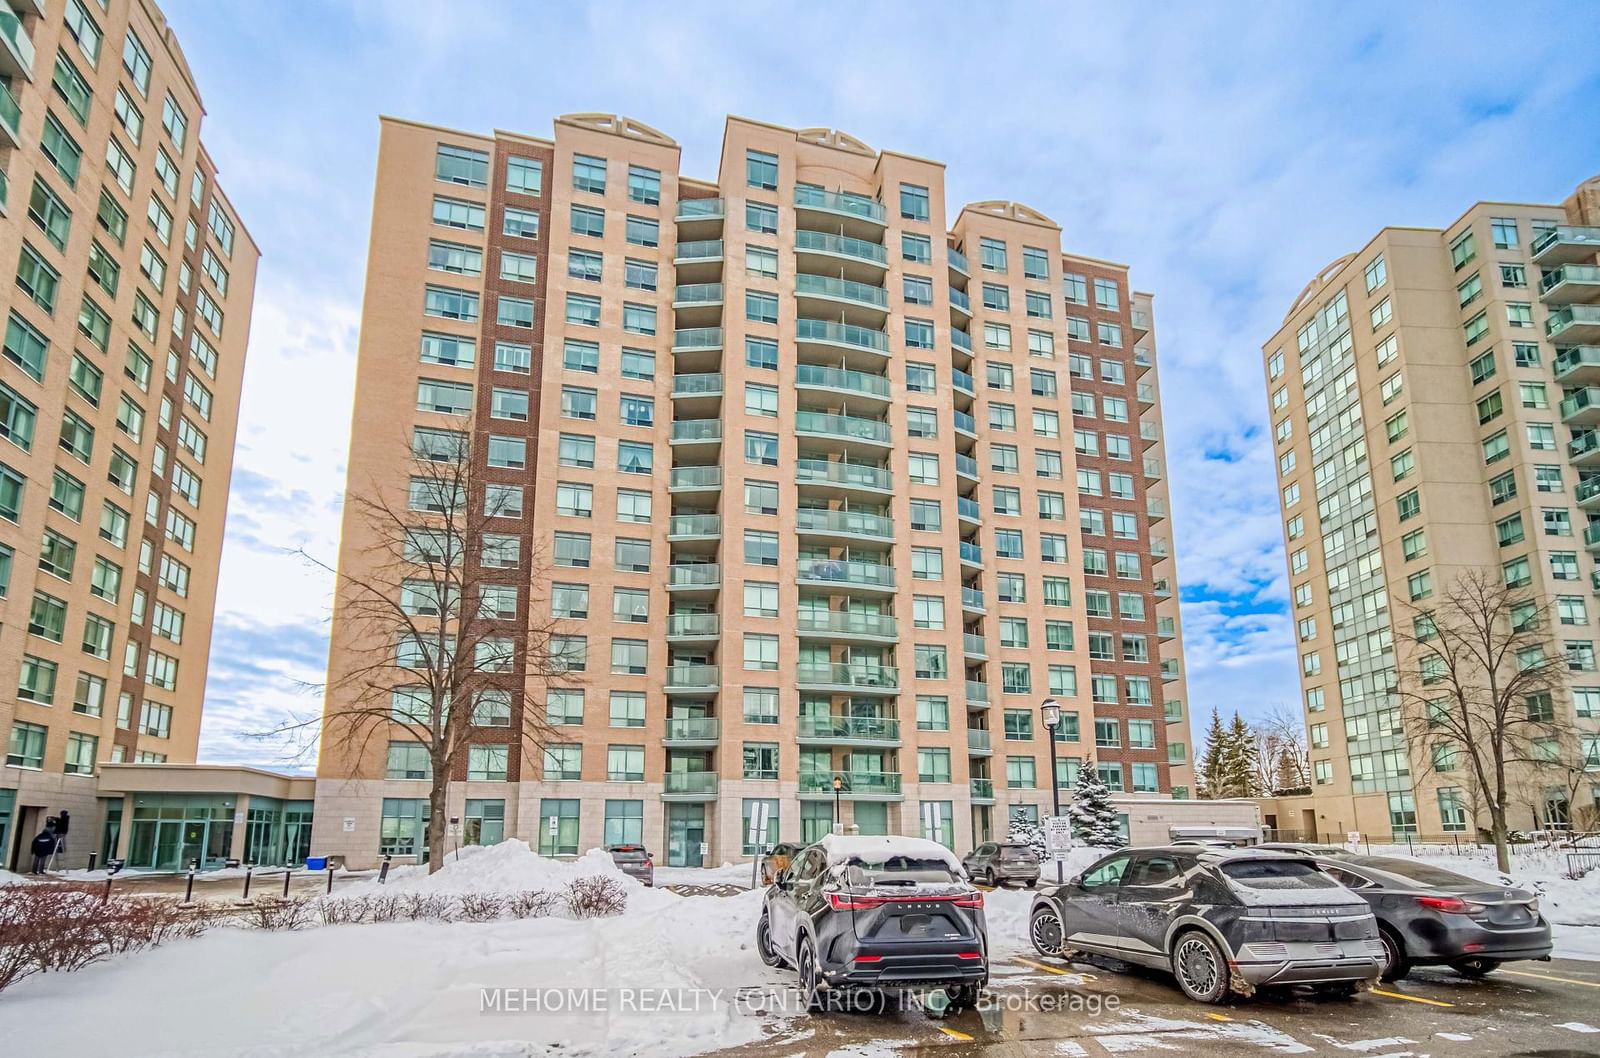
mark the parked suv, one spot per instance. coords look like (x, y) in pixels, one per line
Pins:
(1220, 920)
(634, 861)
(999, 862)
(874, 913)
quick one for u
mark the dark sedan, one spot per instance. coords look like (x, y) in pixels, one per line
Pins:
(1222, 921)
(1430, 916)
(857, 913)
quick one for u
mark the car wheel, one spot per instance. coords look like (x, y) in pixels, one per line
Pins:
(1044, 929)
(1395, 963)
(810, 994)
(1030, 883)
(1201, 970)
(1475, 967)
(962, 996)
(764, 947)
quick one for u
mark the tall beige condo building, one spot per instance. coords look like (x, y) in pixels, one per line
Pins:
(1435, 399)
(818, 487)
(125, 333)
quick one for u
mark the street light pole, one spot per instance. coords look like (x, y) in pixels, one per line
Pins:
(838, 784)
(1050, 713)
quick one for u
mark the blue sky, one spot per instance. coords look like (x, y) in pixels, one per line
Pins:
(1226, 152)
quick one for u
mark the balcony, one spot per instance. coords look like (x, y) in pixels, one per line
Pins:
(844, 525)
(971, 554)
(696, 394)
(1169, 670)
(695, 479)
(1146, 393)
(1167, 627)
(693, 626)
(848, 677)
(691, 732)
(982, 791)
(961, 340)
(16, 47)
(1569, 283)
(1574, 325)
(848, 731)
(698, 260)
(974, 646)
(696, 303)
(857, 259)
(824, 335)
(977, 694)
(841, 380)
(1143, 360)
(962, 382)
(966, 466)
(1578, 366)
(1155, 508)
(1149, 433)
(856, 785)
(972, 599)
(1565, 244)
(847, 428)
(10, 117)
(957, 259)
(1152, 468)
(848, 293)
(696, 339)
(846, 625)
(965, 424)
(1159, 548)
(689, 786)
(696, 433)
(1591, 541)
(960, 306)
(853, 213)
(967, 510)
(699, 218)
(978, 742)
(860, 477)
(1588, 493)
(689, 577)
(1584, 450)
(682, 527)
(693, 679)
(1140, 319)
(845, 575)
(1581, 407)
(1162, 589)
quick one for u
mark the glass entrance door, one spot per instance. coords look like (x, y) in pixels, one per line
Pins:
(686, 829)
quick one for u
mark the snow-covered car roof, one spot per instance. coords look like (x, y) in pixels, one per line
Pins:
(842, 848)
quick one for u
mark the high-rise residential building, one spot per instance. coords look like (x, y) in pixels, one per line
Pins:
(125, 334)
(1435, 411)
(815, 487)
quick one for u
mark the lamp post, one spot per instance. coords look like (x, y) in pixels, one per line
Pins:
(1050, 714)
(838, 785)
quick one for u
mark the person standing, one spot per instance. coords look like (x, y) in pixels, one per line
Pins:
(44, 847)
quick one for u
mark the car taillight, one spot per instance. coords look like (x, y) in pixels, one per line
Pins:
(869, 958)
(846, 902)
(969, 954)
(1450, 904)
(974, 899)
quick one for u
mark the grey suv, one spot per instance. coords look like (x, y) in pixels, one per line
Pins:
(634, 861)
(999, 862)
(1220, 920)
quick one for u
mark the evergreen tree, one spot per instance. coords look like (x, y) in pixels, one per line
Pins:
(1209, 774)
(1094, 817)
(1240, 764)
(1025, 831)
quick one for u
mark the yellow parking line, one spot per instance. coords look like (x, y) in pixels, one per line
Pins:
(1218, 1017)
(1414, 999)
(1552, 977)
(1052, 969)
(953, 1034)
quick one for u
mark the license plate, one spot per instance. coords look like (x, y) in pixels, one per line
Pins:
(915, 923)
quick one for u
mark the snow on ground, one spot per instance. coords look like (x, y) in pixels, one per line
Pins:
(727, 874)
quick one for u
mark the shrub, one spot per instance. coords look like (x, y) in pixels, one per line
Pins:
(417, 906)
(532, 903)
(276, 913)
(481, 907)
(343, 911)
(384, 908)
(595, 897)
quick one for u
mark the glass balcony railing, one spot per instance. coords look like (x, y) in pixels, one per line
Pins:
(966, 423)
(698, 250)
(690, 338)
(963, 381)
(697, 430)
(17, 42)
(881, 729)
(1591, 537)
(961, 339)
(693, 624)
(1580, 400)
(709, 477)
(846, 623)
(841, 379)
(982, 789)
(968, 508)
(841, 290)
(851, 783)
(977, 692)
(697, 384)
(694, 575)
(809, 330)
(1587, 489)
(690, 782)
(851, 523)
(958, 260)
(1146, 393)
(846, 572)
(1149, 431)
(692, 729)
(697, 294)
(839, 202)
(1166, 627)
(966, 465)
(849, 427)
(10, 113)
(1572, 273)
(693, 677)
(1576, 359)
(1583, 444)
(960, 300)
(700, 209)
(847, 674)
(833, 472)
(682, 525)
(1571, 321)
(1566, 242)
(841, 246)
(974, 645)
(978, 738)
(971, 553)
(1141, 320)
(972, 598)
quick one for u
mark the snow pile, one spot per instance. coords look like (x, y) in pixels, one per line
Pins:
(8, 878)
(509, 867)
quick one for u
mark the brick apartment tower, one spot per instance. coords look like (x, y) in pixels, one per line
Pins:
(1436, 399)
(119, 398)
(800, 465)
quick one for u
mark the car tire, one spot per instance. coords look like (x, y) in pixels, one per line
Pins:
(1046, 933)
(1031, 883)
(806, 967)
(764, 946)
(1200, 967)
(1476, 967)
(1395, 963)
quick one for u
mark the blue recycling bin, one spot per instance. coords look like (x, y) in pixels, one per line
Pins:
(316, 863)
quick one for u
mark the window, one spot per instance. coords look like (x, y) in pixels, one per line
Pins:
(519, 223)
(914, 203)
(761, 217)
(916, 248)
(1504, 231)
(761, 170)
(642, 231)
(524, 176)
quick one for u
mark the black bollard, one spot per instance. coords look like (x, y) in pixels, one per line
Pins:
(105, 897)
(188, 892)
(383, 871)
(330, 881)
(288, 872)
(247, 869)
(93, 856)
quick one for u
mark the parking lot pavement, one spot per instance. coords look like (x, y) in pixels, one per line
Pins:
(1089, 1009)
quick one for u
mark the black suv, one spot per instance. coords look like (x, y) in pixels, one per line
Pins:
(1220, 920)
(876, 913)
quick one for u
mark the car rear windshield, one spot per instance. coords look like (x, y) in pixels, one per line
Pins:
(1422, 873)
(1018, 853)
(629, 855)
(898, 869)
(1278, 874)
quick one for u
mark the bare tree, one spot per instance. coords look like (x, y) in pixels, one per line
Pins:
(436, 639)
(1484, 667)
(1283, 760)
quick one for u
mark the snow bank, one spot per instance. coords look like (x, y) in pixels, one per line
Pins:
(8, 878)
